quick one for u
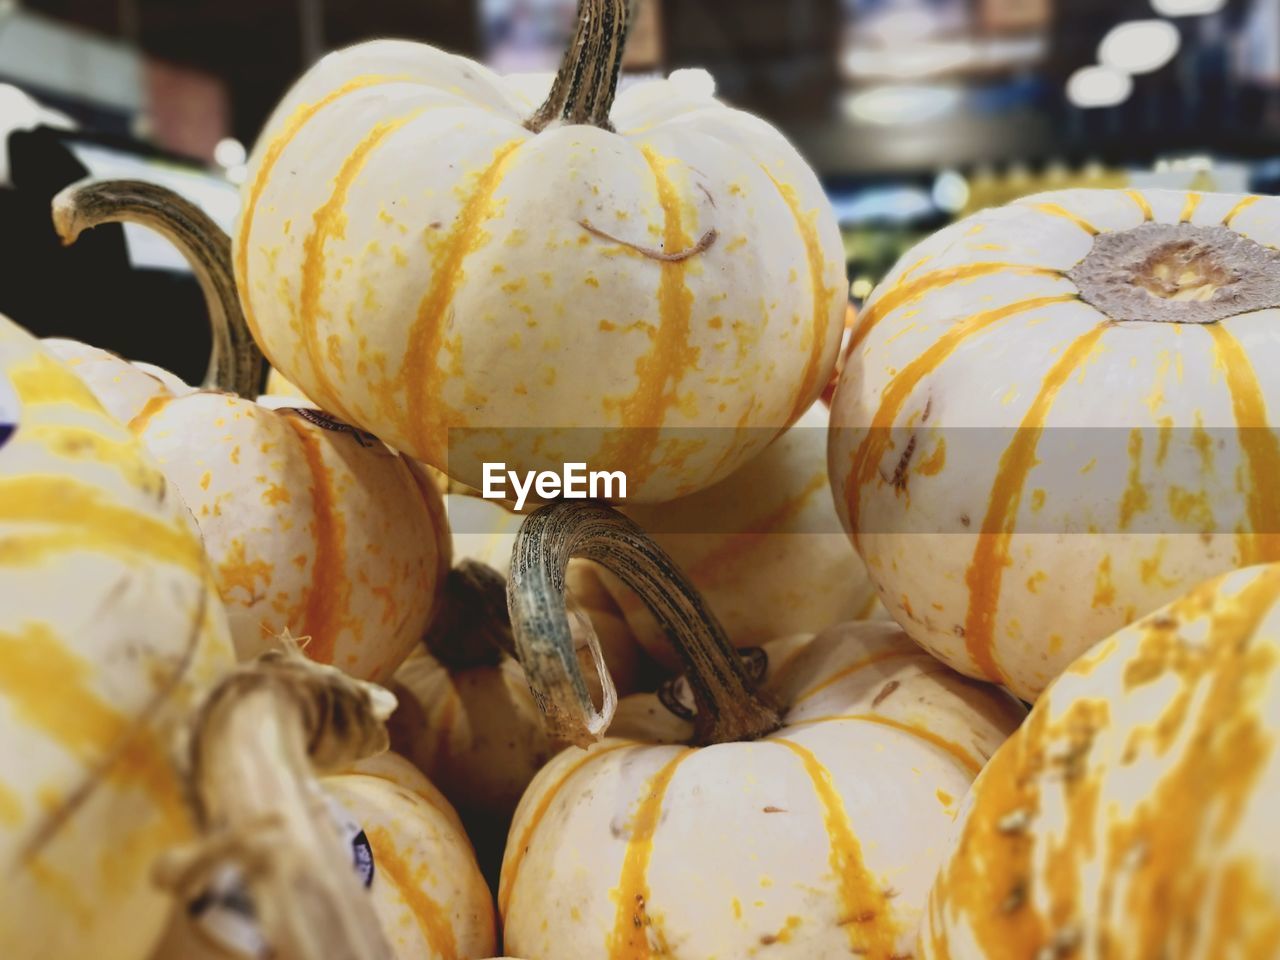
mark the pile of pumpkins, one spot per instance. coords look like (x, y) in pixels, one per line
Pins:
(772, 705)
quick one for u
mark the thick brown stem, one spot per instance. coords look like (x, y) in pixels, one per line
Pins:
(473, 628)
(257, 742)
(587, 81)
(235, 364)
(728, 705)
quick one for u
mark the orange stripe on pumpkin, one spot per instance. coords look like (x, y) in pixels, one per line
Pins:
(433, 919)
(330, 222)
(1056, 210)
(822, 295)
(1189, 211)
(865, 912)
(866, 459)
(986, 570)
(51, 688)
(93, 522)
(1136, 196)
(956, 752)
(658, 373)
(908, 292)
(1238, 209)
(632, 926)
(301, 117)
(1259, 443)
(510, 871)
(853, 668)
(326, 598)
(428, 416)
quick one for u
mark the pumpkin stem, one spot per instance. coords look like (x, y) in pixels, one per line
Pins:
(473, 628)
(728, 705)
(257, 741)
(236, 365)
(587, 80)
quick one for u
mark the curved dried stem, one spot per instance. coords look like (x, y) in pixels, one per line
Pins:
(728, 705)
(257, 744)
(236, 364)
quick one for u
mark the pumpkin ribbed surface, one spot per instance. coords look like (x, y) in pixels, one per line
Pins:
(441, 266)
(819, 840)
(999, 334)
(109, 628)
(427, 888)
(1133, 815)
(311, 527)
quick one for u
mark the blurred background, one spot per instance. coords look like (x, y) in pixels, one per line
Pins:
(913, 112)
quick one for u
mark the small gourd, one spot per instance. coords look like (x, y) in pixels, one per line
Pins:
(1060, 414)
(110, 630)
(435, 258)
(807, 816)
(1134, 813)
(314, 528)
(763, 547)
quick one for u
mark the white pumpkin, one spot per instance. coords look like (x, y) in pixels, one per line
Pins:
(314, 529)
(429, 255)
(1058, 415)
(807, 817)
(110, 629)
(764, 548)
(1134, 814)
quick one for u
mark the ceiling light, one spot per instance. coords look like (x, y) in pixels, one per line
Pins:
(1187, 8)
(901, 104)
(1139, 46)
(1098, 87)
(951, 191)
(229, 152)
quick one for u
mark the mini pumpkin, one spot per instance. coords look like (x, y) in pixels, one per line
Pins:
(764, 548)
(638, 268)
(1133, 815)
(313, 527)
(110, 630)
(807, 816)
(1115, 349)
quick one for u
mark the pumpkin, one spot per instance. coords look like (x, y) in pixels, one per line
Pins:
(408, 849)
(764, 548)
(1133, 815)
(434, 258)
(467, 718)
(1144, 316)
(313, 527)
(109, 630)
(807, 816)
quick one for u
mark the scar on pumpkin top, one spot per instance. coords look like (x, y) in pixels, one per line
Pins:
(704, 244)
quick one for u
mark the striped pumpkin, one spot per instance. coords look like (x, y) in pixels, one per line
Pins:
(313, 528)
(808, 816)
(764, 547)
(109, 629)
(456, 257)
(1134, 814)
(1043, 315)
